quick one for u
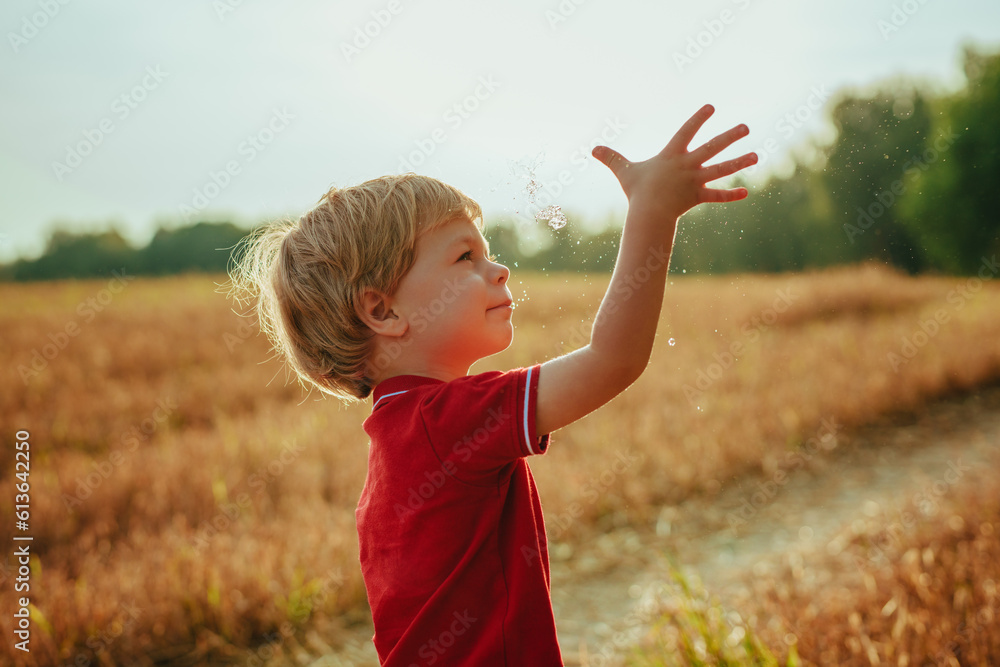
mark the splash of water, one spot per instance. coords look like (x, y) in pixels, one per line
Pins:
(553, 215)
(525, 169)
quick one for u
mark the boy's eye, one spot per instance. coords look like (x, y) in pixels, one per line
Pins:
(467, 255)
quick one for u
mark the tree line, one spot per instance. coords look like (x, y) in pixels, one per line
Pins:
(906, 181)
(202, 247)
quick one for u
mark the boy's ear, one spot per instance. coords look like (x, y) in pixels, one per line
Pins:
(375, 310)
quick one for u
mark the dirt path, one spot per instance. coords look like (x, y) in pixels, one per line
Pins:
(601, 592)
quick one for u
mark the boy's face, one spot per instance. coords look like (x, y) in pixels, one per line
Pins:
(455, 299)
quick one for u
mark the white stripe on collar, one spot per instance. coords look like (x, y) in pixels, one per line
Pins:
(395, 393)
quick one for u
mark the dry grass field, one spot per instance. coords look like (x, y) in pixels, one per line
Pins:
(922, 591)
(932, 599)
(189, 503)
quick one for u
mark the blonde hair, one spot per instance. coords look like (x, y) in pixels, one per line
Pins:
(304, 278)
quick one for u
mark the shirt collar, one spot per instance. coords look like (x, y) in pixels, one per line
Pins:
(399, 384)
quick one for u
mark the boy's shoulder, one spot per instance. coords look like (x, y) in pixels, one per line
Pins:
(482, 411)
(466, 388)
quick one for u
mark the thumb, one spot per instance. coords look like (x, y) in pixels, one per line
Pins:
(611, 158)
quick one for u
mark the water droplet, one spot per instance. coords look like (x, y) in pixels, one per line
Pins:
(671, 342)
(553, 215)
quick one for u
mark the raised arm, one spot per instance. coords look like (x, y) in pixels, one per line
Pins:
(659, 191)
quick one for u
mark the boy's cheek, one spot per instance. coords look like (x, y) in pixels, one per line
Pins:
(419, 323)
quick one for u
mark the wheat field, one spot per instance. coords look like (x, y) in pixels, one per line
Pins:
(188, 501)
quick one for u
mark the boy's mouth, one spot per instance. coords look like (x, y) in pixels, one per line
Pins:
(509, 303)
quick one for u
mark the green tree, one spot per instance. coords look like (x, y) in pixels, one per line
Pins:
(878, 139)
(205, 246)
(783, 226)
(70, 255)
(951, 207)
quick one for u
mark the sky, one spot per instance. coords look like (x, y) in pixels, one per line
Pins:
(140, 115)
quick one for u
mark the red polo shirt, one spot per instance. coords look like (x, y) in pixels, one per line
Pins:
(452, 542)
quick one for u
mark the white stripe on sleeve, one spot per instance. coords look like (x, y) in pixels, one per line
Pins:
(527, 395)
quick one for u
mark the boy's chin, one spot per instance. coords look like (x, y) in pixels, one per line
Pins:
(506, 341)
(501, 345)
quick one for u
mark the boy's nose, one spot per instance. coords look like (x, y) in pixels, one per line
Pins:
(503, 273)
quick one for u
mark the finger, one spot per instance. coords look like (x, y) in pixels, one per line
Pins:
(611, 158)
(716, 145)
(681, 140)
(728, 167)
(711, 195)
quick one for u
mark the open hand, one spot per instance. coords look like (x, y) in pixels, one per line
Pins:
(673, 181)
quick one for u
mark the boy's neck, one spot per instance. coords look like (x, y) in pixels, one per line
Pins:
(443, 372)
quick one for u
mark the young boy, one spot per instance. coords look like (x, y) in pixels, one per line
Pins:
(388, 289)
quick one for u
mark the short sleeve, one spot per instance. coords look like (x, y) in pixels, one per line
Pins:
(481, 423)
